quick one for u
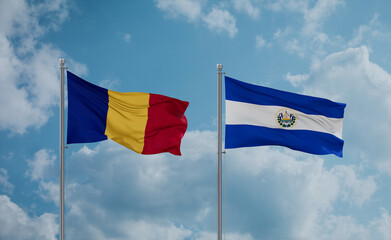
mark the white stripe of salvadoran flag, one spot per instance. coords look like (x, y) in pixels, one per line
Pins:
(259, 115)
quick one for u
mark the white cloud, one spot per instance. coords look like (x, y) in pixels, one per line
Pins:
(134, 193)
(344, 227)
(191, 145)
(26, 108)
(187, 8)
(382, 225)
(109, 83)
(203, 213)
(349, 76)
(229, 236)
(384, 166)
(359, 34)
(220, 20)
(295, 190)
(42, 170)
(295, 46)
(288, 5)
(150, 231)
(123, 194)
(247, 7)
(120, 193)
(367, 33)
(297, 79)
(86, 151)
(314, 17)
(28, 68)
(259, 42)
(17, 225)
(127, 37)
(15, 18)
(311, 39)
(77, 68)
(356, 191)
(49, 191)
(6, 186)
(41, 165)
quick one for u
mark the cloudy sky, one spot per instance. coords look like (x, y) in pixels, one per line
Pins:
(337, 49)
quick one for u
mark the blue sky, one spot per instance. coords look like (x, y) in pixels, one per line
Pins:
(335, 49)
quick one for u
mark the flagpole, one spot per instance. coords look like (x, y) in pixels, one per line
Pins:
(62, 68)
(219, 152)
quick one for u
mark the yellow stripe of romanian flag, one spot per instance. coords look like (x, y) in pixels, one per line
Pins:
(127, 119)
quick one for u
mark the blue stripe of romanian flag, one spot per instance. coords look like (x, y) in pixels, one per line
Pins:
(87, 111)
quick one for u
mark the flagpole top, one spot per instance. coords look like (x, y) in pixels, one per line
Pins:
(219, 67)
(62, 62)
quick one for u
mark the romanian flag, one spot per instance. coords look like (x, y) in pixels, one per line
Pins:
(144, 122)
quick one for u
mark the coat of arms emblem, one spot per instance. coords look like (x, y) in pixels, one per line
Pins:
(286, 118)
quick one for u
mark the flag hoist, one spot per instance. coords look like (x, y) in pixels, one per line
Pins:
(62, 148)
(219, 152)
(143, 122)
(261, 116)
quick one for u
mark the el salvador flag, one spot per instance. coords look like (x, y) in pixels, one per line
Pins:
(259, 116)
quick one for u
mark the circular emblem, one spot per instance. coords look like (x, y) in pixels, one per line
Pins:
(286, 118)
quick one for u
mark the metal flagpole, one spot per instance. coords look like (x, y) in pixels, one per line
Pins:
(62, 68)
(219, 152)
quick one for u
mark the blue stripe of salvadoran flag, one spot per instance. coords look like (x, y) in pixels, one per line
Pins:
(259, 116)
